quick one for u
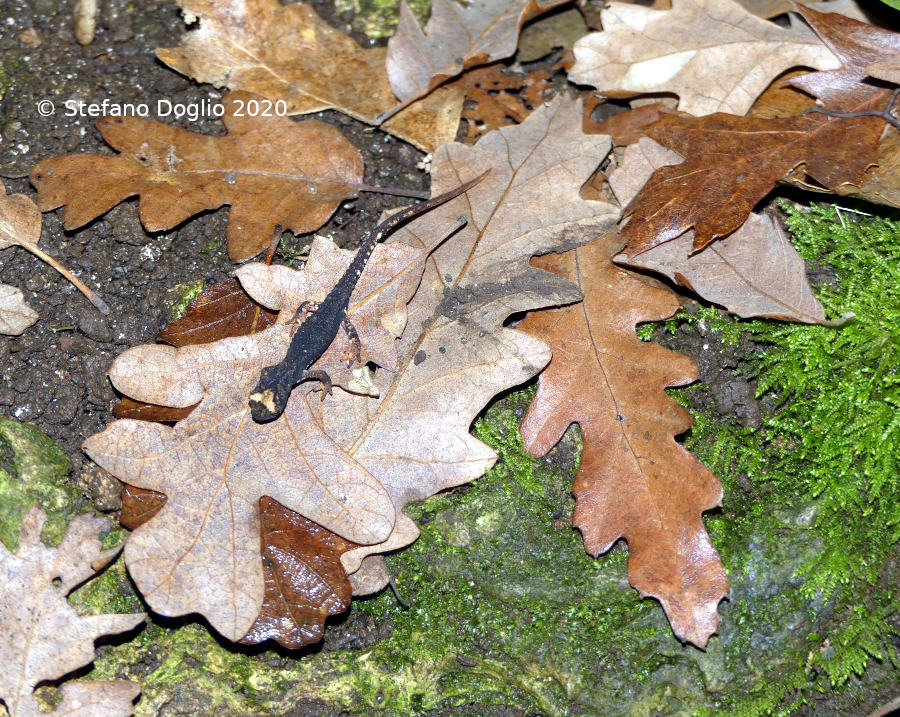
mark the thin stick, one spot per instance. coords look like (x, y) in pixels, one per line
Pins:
(394, 191)
(93, 297)
(884, 114)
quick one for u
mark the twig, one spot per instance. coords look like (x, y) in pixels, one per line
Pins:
(884, 114)
(93, 297)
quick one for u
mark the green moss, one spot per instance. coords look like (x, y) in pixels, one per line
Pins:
(31, 471)
(212, 245)
(378, 18)
(184, 295)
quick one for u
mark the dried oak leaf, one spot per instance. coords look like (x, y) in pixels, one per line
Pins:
(858, 45)
(289, 53)
(15, 314)
(881, 184)
(634, 481)
(887, 69)
(700, 50)
(456, 38)
(200, 553)
(20, 225)
(304, 580)
(41, 636)
(495, 98)
(272, 171)
(455, 354)
(223, 310)
(733, 162)
(754, 272)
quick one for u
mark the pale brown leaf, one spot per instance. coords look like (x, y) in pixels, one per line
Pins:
(201, 552)
(289, 53)
(634, 481)
(456, 37)
(15, 314)
(887, 69)
(715, 55)
(272, 172)
(41, 636)
(455, 353)
(753, 272)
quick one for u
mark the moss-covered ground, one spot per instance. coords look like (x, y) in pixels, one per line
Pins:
(508, 609)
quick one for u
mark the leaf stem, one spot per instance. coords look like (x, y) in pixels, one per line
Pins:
(93, 297)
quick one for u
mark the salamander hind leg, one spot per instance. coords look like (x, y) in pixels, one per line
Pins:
(322, 378)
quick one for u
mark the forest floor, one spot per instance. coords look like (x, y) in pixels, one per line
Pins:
(541, 632)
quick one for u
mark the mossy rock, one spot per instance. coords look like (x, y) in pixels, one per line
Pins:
(32, 469)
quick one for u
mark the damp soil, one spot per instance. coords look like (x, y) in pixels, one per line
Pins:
(55, 373)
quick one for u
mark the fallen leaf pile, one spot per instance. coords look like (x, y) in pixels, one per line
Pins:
(347, 463)
(267, 529)
(41, 635)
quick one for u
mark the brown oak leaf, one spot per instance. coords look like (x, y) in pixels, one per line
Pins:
(858, 45)
(753, 272)
(20, 225)
(455, 354)
(456, 38)
(41, 636)
(304, 580)
(272, 171)
(733, 162)
(496, 98)
(634, 481)
(288, 53)
(715, 55)
(223, 310)
(201, 552)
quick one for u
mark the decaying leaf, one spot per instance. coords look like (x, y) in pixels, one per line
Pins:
(41, 636)
(222, 311)
(715, 55)
(15, 314)
(214, 465)
(304, 580)
(858, 45)
(634, 481)
(887, 69)
(456, 37)
(754, 272)
(881, 184)
(351, 461)
(627, 127)
(733, 162)
(20, 225)
(496, 99)
(272, 171)
(289, 53)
